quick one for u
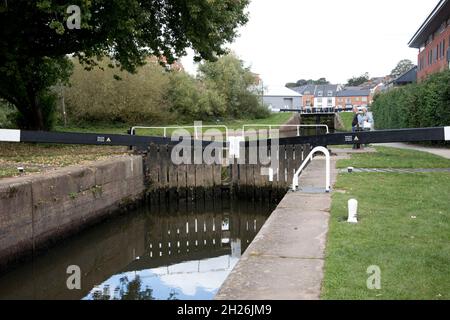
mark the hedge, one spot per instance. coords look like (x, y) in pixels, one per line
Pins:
(426, 104)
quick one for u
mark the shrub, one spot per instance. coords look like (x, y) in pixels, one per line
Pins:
(426, 104)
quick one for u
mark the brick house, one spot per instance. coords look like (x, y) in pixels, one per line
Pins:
(433, 41)
(352, 97)
(307, 93)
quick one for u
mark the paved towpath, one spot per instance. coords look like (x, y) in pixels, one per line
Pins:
(286, 259)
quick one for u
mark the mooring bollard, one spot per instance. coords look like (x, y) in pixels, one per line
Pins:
(352, 211)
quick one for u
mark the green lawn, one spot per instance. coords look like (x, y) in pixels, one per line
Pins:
(404, 229)
(395, 158)
(42, 157)
(347, 118)
(274, 119)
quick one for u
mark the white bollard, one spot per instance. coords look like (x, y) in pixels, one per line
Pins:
(352, 211)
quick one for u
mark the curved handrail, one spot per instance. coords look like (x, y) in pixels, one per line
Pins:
(295, 182)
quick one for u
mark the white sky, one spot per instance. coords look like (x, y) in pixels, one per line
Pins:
(288, 40)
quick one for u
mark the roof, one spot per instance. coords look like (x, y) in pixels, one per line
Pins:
(354, 92)
(308, 88)
(325, 88)
(439, 14)
(409, 76)
(281, 92)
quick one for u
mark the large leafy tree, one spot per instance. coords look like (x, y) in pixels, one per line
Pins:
(402, 67)
(35, 40)
(237, 84)
(359, 80)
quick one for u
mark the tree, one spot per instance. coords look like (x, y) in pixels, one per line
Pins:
(37, 36)
(321, 81)
(96, 97)
(402, 67)
(191, 100)
(237, 84)
(357, 81)
(303, 82)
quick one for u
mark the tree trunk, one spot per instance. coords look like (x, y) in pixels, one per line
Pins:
(31, 114)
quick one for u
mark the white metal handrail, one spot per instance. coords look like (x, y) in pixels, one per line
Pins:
(196, 135)
(298, 126)
(295, 182)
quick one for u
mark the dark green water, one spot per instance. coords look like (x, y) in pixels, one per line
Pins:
(151, 253)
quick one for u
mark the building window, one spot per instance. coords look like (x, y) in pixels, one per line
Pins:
(319, 101)
(308, 103)
(330, 102)
(348, 101)
(330, 93)
(307, 93)
(320, 93)
(364, 99)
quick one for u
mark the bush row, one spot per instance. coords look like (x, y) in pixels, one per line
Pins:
(155, 96)
(426, 104)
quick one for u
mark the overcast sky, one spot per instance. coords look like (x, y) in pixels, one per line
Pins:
(287, 40)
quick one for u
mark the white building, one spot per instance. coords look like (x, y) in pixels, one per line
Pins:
(325, 96)
(282, 98)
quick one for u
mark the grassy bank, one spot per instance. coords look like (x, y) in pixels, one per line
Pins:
(43, 157)
(404, 223)
(273, 119)
(386, 157)
(347, 118)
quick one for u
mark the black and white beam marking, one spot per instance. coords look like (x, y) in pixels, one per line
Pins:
(381, 136)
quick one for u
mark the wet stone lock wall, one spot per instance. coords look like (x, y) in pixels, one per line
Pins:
(37, 210)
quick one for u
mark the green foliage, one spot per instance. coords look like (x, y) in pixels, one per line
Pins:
(7, 112)
(190, 100)
(237, 84)
(96, 97)
(34, 41)
(357, 81)
(402, 67)
(154, 96)
(303, 82)
(426, 104)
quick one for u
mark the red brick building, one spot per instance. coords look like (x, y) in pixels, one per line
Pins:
(433, 41)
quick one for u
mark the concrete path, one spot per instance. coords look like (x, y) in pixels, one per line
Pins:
(285, 261)
(443, 152)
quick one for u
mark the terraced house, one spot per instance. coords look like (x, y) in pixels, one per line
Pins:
(353, 97)
(319, 96)
(433, 41)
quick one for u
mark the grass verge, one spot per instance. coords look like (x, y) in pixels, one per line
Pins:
(404, 227)
(274, 119)
(42, 157)
(347, 118)
(387, 157)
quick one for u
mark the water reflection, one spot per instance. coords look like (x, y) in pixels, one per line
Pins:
(175, 252)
